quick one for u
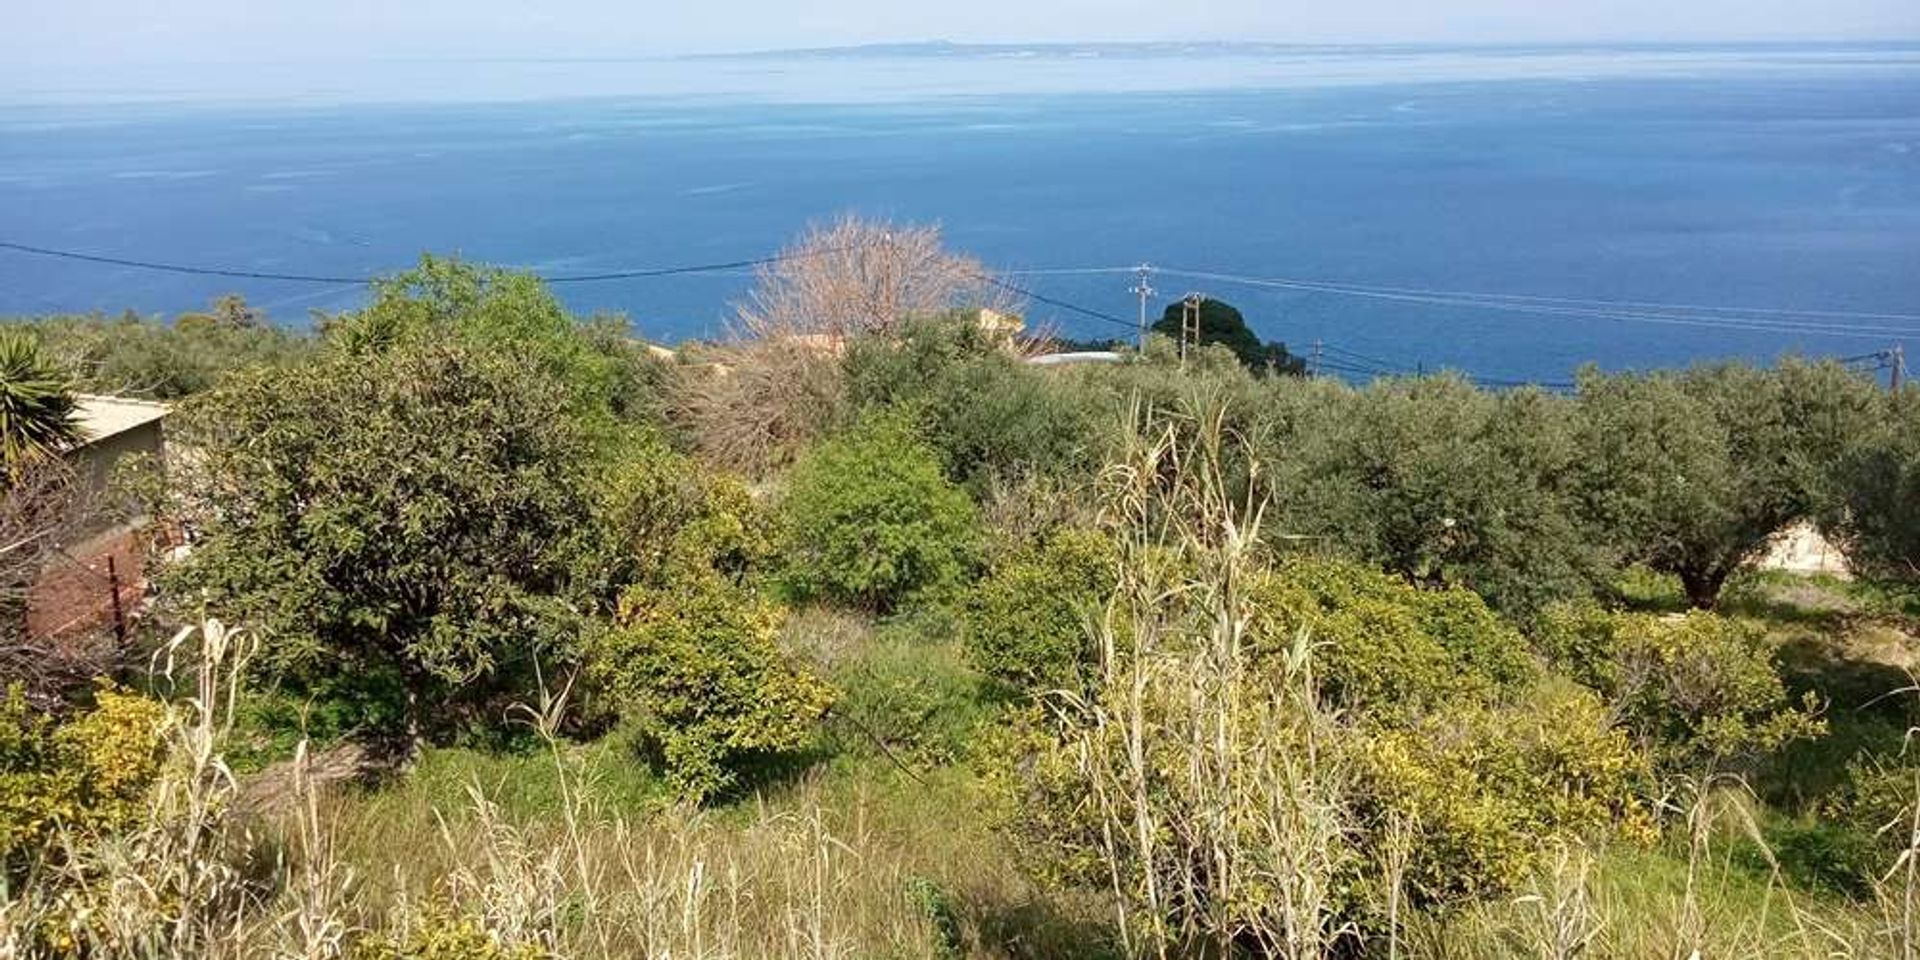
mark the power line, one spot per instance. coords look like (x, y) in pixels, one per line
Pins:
(1790, 313)
(1355, 362)
(1053, 302)
(1356, 355)
(177, 268)
(647, 273)
(1068, 271)
(1718, 322)
(634, 274)
(1443, 298)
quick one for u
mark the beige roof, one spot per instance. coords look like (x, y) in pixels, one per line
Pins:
(103, 417)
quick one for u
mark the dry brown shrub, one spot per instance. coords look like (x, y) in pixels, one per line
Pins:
(43, 505)
(759, 403)
(777, 384)
(856, 276)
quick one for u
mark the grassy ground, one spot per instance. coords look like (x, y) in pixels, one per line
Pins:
(883, 844)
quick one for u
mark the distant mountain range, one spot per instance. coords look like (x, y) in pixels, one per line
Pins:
(943, 49)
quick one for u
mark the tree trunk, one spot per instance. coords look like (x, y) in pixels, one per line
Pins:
(1703, 587)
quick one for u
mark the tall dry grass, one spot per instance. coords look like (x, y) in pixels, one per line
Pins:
(204, 877)
(1220, 807)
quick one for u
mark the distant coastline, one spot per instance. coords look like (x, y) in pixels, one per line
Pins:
(1257, 48)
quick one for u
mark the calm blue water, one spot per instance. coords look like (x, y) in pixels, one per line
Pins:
(1760, 181)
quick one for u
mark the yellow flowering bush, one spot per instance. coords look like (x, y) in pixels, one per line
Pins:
(1481, 790)
(1699, 689)
(90, 774)
(697, 669)
(1385, 646)
(441, 934)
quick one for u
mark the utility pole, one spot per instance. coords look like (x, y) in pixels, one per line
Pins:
(1190, 324)
(1318, 346)
(1145, 291)
(1899, 375)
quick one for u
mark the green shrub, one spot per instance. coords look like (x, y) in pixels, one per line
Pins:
(1481, 791)
(273, 720)
(1026, 623)
(90, 774)
(694, 667)
(869, 519)
(442, 934)
(987, 412)
(417, 509)
(1877, 807)
(1697, 688)
(132, 356)
(1835, 855)
(486, 309)
(661, 517)
(911, 698)
(1388, 647)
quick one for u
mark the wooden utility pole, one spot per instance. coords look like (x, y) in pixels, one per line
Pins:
(119, 614)
(1145, 291)
(1190, 323)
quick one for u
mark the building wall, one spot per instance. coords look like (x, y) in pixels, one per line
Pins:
(97, 461)
(102, 565)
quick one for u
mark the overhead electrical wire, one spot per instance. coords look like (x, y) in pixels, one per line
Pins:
(1807, 325)
(1839, 323)
(1068, 271)
(177, 268)
(1055, 302)
(1364, 358)
(1786, 312)
(634, 274)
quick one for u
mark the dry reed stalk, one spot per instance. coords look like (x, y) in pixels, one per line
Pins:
(1220, 801)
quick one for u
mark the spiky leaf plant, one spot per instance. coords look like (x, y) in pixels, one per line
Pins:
(38, 411)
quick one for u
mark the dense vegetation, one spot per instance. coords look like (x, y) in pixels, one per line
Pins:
(496, 636)
(1207, 321)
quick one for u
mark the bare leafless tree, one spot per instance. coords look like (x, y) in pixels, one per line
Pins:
(36, 510)
(44, 504)
(777, 383)
(856, 276)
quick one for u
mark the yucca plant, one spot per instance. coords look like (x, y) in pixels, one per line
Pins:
(38, 412)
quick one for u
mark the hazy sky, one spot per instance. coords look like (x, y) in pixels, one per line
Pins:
(71, 32)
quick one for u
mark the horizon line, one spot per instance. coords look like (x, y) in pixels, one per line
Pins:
(1001, 46)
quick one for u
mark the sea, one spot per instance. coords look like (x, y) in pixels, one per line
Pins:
(1514, 213)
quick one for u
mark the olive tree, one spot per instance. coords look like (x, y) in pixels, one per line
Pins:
(1436, 481)
(1693, 472)
(1876, 493)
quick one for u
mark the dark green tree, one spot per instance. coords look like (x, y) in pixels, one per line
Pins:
(1693, 472)
(1436, 481)
(1875, 506)
(869, 519)
(414, 513)
(1222, 323)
